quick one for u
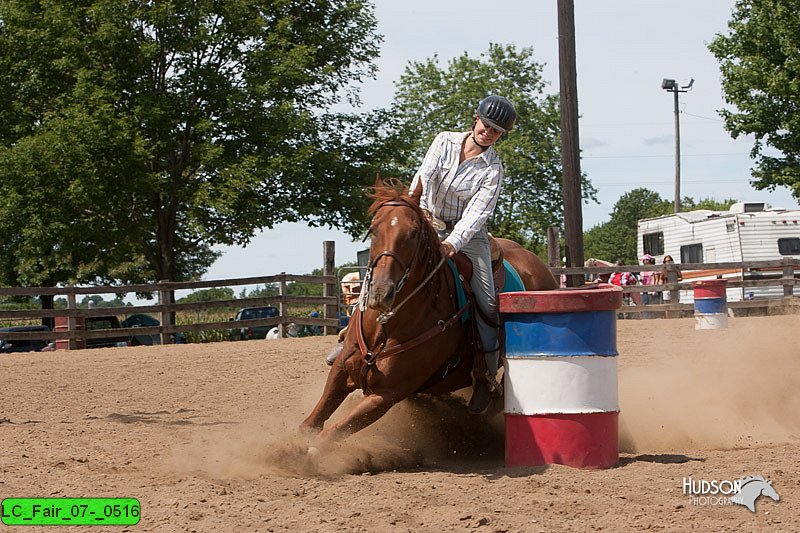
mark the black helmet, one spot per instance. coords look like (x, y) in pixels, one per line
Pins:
(497, 112)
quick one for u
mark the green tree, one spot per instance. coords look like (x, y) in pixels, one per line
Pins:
(134, 136)
(98, 301)
(707, 203)
(208, 295)
(615, 240)
(430, 99)
(760, 64)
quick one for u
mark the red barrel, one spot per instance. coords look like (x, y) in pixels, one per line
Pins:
(710, 304)
(710, 288)
(62, 324)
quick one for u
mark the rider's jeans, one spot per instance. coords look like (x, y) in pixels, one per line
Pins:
(482, 284)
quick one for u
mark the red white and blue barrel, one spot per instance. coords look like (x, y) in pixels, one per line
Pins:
(561, 401)
(710, 304)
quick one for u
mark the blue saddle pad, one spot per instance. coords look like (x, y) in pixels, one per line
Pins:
(513, 284)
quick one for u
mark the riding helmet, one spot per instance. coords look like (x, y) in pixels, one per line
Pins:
(497, 112)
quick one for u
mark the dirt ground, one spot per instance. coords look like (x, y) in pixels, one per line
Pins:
(204, 437)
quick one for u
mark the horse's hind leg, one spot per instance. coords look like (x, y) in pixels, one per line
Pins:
(336, 390)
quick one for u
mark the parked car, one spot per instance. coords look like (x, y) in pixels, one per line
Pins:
(28, 345)
(141, 320)
(252, 313)
(105, 322)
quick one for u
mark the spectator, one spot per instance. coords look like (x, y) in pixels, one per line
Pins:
(351, 290)
(314, 330)
(623, 279)
(648, 277)
(666, 296)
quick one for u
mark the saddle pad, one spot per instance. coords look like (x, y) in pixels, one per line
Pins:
(513, 284)
(513, 281)
(461, 296)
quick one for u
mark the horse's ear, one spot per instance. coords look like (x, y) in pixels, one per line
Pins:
(378, 180)
(416, 194)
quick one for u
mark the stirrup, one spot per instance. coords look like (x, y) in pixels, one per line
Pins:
(495, 386)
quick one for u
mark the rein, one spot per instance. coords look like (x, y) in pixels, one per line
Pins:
(384, 317)
(371, 355)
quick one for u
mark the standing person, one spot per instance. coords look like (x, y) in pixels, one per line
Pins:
(622, 279)
(666, 296)
(648, 277)
(459, 183)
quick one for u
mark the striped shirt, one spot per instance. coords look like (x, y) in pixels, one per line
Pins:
(464, 194)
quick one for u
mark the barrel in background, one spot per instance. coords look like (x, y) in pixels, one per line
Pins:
(710, 304)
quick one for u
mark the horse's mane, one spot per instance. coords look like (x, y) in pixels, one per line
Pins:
(394, 190)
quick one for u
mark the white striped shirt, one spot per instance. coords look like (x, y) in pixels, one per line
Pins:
(464, 194)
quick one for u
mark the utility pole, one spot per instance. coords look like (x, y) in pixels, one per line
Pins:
(570, 145)
(671, 86)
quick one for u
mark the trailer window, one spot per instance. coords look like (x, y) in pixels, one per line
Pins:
(692, 253)
(789, 246)
(653, 243)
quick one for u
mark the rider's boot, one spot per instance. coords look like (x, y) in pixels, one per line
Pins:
(485, 388)
(334, 353)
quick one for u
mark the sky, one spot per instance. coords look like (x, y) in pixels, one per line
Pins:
(624, 49)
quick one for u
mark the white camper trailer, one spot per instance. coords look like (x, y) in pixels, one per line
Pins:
(746, 232)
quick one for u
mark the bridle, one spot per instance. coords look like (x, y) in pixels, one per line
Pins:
(385, 316)
(371, 355)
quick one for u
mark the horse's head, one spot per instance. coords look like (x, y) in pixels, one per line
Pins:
(768, 490)
(403, 243)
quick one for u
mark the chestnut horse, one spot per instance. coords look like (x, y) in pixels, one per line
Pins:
(407, 335)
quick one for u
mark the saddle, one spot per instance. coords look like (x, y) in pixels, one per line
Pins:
(471, 342)
(464, 265)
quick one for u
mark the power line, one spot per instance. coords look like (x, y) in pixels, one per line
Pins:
(666, 155)
(661, 182)
(704, 118)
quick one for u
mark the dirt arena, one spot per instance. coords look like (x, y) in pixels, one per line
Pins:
(204, 437)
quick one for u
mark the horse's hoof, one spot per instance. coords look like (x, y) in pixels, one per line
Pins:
(311, 462)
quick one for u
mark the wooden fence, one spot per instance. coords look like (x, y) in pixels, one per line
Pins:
(784, 273)
(166, 308)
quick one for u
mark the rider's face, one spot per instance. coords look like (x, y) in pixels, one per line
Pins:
(486, 135)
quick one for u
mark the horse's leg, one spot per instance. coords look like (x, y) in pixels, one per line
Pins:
(336, 390)
(367, 411)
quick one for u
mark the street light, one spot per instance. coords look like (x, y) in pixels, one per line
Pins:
(673, 87)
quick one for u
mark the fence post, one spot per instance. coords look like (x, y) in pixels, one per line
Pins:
(72, 321)
(788, 277)
(166, 297)
(282, 305)
(330, 289)
(553, 247)
(674, 295)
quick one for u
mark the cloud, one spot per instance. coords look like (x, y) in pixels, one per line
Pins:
(588, 143)
(664, 139)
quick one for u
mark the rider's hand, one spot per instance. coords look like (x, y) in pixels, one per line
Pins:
(447, 249)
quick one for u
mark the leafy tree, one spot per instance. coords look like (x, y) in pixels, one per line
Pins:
(134, 136)
(98, 301)
(615, 240)
(760, 65)
(707, 203)
(208, 295)
(430, 99)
